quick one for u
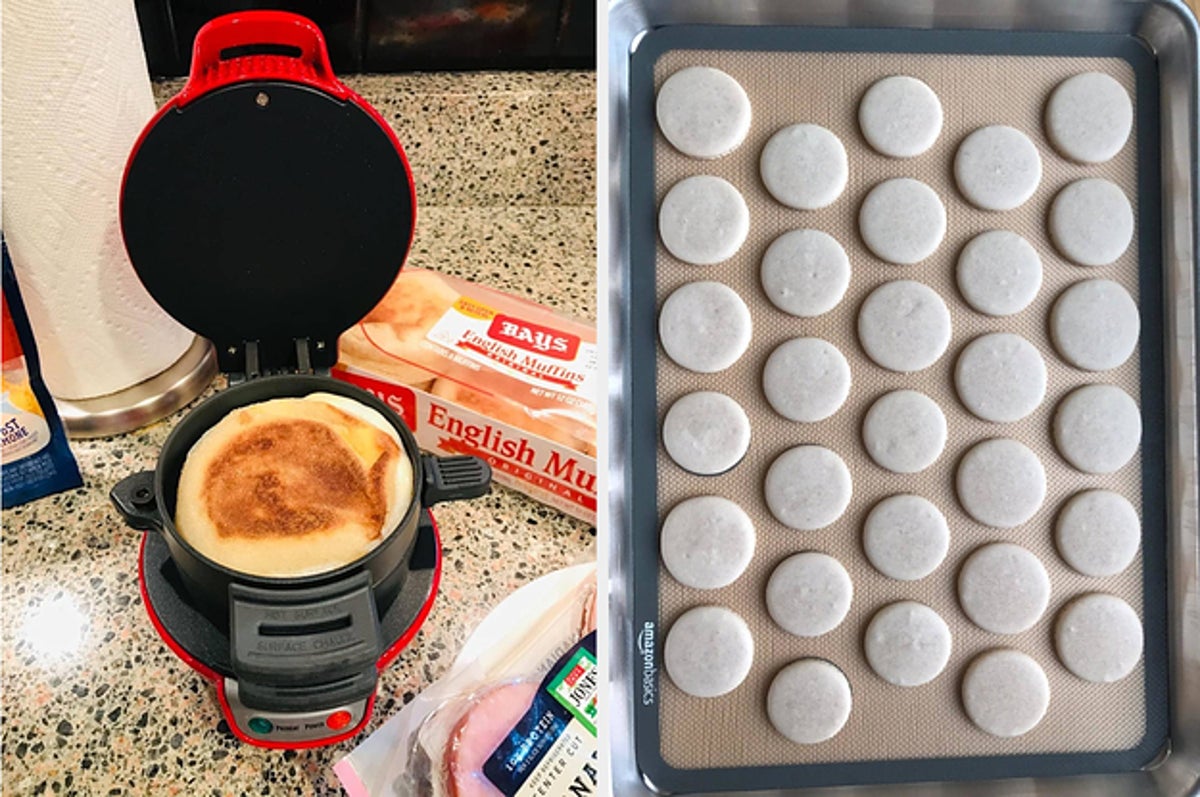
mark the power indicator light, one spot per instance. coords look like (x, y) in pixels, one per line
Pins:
(338, 720)
(260, 725)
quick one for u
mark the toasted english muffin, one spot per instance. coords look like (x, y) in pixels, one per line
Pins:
(294, 486)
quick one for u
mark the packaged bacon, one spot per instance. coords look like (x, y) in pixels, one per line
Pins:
(516, 715)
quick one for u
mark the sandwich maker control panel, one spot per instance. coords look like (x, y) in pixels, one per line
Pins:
(291, 726)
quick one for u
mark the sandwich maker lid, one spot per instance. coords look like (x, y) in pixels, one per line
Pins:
(267, 204)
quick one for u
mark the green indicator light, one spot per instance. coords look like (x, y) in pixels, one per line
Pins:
(260, 725)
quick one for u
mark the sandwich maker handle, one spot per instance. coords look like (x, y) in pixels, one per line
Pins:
(134, 498)
(453, 478)
(213, 65)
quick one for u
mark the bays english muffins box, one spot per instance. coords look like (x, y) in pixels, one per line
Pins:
(473, 370)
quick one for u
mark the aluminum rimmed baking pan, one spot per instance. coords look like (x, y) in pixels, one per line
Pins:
(1151, 47)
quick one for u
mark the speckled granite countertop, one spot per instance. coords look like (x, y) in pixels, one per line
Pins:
(93, 701)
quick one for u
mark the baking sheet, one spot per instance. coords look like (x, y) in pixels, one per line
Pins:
(1122, 725)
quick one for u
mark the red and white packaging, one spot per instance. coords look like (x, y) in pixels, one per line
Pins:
(473, 370)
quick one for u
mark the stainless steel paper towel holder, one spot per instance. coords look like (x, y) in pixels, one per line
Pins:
(145, 402)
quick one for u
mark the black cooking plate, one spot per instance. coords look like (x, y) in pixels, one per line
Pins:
(267, 210)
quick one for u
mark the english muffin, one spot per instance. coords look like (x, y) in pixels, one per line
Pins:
(294, 486)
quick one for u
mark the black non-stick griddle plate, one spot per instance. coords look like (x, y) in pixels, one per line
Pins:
(259, 206)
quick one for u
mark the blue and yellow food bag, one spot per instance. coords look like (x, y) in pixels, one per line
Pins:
(34, 457)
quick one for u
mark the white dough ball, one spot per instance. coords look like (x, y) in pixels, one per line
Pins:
(804, 166)
(703, 112)
(807, 487)
(1095, 325)
(1000, 377)
(708, 651)
(997, 168)
(904, 326)
(1091, 221)
(809, 701)
(1089, 117)
(707, 541)
(999, 273)
(904, 431)
(902, 221)
(806, 379)
(704, 326)
(1005, 692)
(1001, 483)
(1098, 428)
(805, 272)
(706, 432)
(906, 537)
(900, 116)
(703, 220)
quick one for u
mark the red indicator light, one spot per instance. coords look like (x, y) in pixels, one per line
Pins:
(338, 720)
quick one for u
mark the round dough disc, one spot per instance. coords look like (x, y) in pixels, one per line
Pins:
(706, 433)
(1099, 638)
(999, 273)
(902, 221)
(907, 643)
(906, 537)
(809, 701)
(707, 542)
(1003, 588)
(806, 379)
(900, 116)
(1098, 428)
(1005, 692)
(809, 594)
(1095, 325)
(904, 326)
(1091, 222)
(703, 112)
(904, 431)
(807, 487)
(804, 167)
(1098, 533)
(997, 168)
(805, 272)
(1000, 377)
(704, 326)
(703, 220)
(708, 651)
(1001, 483)
(1089, 117)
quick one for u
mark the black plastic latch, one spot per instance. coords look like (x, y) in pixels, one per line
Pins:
(134, 498)
(454, 478)
(304, 649)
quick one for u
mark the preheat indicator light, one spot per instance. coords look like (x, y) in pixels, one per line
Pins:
(338, 720)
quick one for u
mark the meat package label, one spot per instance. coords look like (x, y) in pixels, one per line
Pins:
(552, 751)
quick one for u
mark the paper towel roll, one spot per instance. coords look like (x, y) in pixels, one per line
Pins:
(76, 95)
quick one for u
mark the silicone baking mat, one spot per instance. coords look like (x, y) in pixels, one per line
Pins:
(910, 732)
